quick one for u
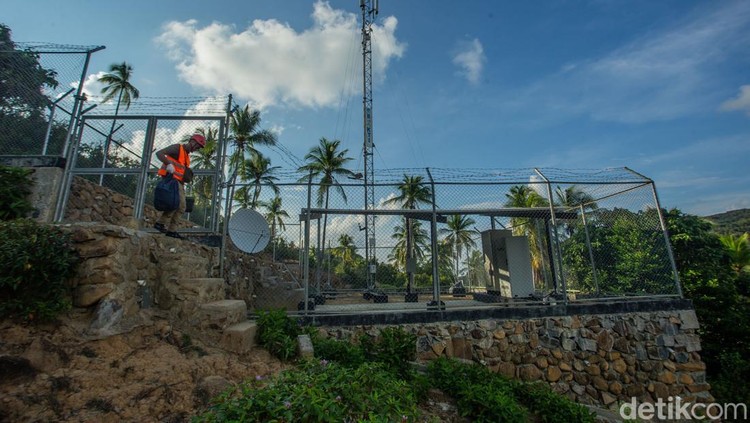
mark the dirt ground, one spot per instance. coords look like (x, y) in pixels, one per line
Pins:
(154, 373)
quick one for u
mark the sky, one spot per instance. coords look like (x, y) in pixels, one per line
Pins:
(662, 87)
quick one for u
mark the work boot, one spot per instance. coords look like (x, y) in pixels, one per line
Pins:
(160, 227)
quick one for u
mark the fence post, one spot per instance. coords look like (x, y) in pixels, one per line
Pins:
(221, 151)
(67, 152)
(307, 242)
(433, 244)
(591, 252)
(556, 239)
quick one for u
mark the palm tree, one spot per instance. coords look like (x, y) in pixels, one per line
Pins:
(739, 250)
(419, 239)
(412, 193)
(246, 134)
(118, 84)
(205, 158)
(346, 250)
(275, 216)
(523, 196)
(573, 196)
(458, 234)
(258, 171)
(327, 162)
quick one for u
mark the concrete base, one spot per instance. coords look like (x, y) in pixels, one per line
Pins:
(44, 192)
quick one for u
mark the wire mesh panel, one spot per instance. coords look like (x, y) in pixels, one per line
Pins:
(38, 95)
(617, 248)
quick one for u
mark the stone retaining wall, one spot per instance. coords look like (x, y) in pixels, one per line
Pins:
(122, 269)
(592, 359)
(89, 202)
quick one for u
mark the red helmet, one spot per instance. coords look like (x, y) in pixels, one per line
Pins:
(200, 139)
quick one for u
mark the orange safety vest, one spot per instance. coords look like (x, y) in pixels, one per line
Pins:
(182, 163)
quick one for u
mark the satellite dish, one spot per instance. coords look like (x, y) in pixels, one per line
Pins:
(249, 231)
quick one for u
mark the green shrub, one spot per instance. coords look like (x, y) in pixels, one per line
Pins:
(277, 333)
(344, 353)
(550, 406)
(480, 394)
(724, 386)
(484, 396)
(14, 192)
(36, 261)
(394, 347)
(319, 392)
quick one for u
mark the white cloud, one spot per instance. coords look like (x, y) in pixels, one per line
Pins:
(470, 60)
(664, 74)
(277, 129)
(271, 63)
(91, 86)
(741, 102)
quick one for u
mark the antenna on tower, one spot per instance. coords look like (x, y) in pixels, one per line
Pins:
(369, 11)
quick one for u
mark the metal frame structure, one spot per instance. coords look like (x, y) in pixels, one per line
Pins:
(614, 182)
(369, 11)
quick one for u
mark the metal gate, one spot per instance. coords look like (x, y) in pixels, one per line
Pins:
(114, 155)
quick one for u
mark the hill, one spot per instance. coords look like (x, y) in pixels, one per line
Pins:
(733, 222)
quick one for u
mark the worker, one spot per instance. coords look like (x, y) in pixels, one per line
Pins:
(176, 161)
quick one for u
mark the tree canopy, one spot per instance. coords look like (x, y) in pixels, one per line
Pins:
(23, 102)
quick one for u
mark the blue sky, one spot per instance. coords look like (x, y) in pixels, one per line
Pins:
(662, 87)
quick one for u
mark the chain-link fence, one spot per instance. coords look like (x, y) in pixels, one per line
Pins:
(463, 239)
(114, 154)
(40, 93)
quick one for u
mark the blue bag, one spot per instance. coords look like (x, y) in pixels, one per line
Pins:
(167, 194)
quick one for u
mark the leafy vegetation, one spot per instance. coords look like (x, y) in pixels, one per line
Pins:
(14, 192)
(23, 103)
(721, 295)
(319, 391)
(278, 333)
(36, 261)
(485, 396)
(371, 379)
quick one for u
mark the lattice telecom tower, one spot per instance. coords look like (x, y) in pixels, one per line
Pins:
(369, 11)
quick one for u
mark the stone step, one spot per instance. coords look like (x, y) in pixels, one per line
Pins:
(183, 296)
(219, 315)
(240, 337)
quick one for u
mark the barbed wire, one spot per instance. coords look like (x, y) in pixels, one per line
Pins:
(526, 176)
(205, 106)
(46, 47)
